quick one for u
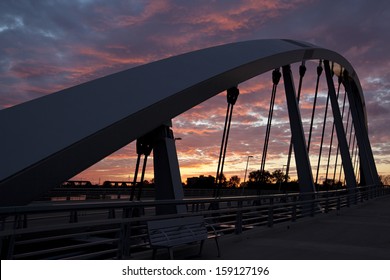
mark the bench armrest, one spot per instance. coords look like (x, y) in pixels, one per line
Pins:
(163, 232)
(187, 228)
(216, 235)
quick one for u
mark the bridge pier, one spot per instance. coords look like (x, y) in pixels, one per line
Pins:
(166, 171)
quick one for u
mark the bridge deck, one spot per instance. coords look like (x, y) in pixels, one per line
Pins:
(361, 232)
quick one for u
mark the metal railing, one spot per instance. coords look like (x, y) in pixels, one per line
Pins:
(117, 229)
(87, 193)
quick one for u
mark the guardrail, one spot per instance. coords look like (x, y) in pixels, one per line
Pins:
(85, 193)
(117, 229)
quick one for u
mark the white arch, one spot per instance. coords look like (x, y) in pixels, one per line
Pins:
(51, 139)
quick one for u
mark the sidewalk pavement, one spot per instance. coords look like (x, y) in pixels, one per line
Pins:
(360, 232)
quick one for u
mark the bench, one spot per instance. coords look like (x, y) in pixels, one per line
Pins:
(170, 233)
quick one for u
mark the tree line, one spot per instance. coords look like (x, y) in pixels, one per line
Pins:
(259, 179)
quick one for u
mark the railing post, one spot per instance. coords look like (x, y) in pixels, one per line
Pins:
(126, 212)
(312, 206)
(338, 207)
(327, 202)
(111, 213)
(20, 221)
(238, 226)
(73, 218)
(124, 241)
(271, 212)
(355, 197)
(9, 247)
(294, 209)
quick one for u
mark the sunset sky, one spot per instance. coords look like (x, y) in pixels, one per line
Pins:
(50, 45)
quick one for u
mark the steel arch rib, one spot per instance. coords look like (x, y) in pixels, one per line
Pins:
(53, 138)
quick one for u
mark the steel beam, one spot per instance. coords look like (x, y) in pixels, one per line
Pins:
(305, 176)
(167, 177)
(341, 136)
(359, 121)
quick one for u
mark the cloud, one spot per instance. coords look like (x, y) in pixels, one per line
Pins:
(49, 45)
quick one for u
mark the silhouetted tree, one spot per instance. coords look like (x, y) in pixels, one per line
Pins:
(223, 180)
(338, 185)
(234, 182)
(260, 177)
(279, 177)
(385, 179)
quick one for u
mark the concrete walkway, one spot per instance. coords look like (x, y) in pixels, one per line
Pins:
(359, 232)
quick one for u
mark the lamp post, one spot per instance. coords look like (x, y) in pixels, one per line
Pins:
(285, 176)
(246, 170)
(280, 182)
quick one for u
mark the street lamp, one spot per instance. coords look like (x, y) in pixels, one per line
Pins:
(280, 182)
(285, 176)
(246, 170)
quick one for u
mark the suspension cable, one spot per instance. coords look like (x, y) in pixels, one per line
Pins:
(227, 137)
(332, 133)
(346, 129)
(349, 142)
(358, 171)
(322, 135)
(231, 96)
(338, 145)
(353, 160)
(319, 72)
(356, 161)
(217, 177)
(302, 71)
(144, 147)
(276, 75)
(142, 177)
(135, 177)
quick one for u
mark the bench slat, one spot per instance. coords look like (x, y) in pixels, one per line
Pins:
(169, 233)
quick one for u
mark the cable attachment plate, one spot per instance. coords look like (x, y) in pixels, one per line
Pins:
(276, 75)
(232, 95)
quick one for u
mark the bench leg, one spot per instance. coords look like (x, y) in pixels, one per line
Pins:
(219, 252)
(170, 253)
(201, 248)
(154, 253)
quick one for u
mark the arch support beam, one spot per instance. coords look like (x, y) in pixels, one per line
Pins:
(370, 173)
(302, 160)
(166, 171)
(341, 137)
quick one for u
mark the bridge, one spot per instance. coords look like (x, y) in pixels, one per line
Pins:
(51, 139)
